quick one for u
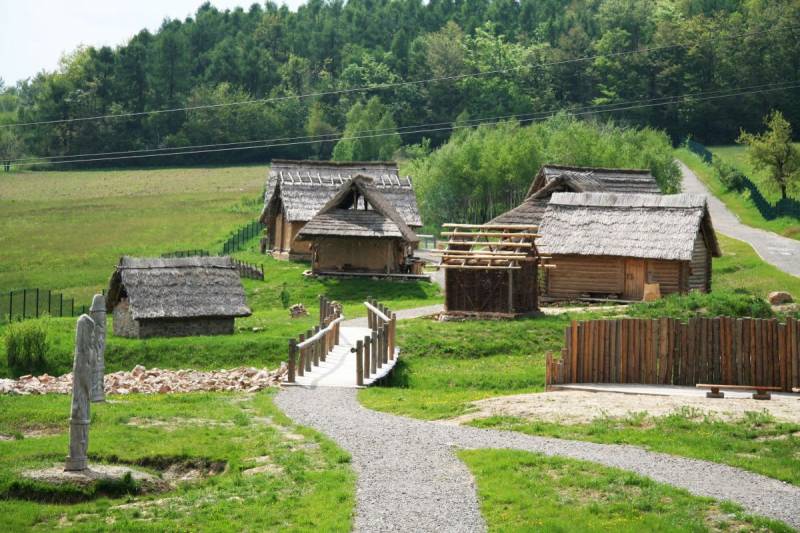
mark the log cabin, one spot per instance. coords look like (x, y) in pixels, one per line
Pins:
(559, 178)
(607, 246)
(359, 231)
(297, 190)
(175, 297)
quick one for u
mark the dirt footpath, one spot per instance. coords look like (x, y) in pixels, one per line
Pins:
(578, 407)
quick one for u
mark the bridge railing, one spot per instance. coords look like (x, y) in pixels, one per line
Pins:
(376, 349)
(313, 347)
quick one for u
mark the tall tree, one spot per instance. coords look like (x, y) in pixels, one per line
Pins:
(773, 150)
(370, 134)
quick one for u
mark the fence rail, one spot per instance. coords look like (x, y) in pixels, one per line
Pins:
(377, 348)
(186, 253)
(311, 348)
(722, 350)
(33, 303)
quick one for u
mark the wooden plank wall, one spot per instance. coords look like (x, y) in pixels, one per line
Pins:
(724, 350)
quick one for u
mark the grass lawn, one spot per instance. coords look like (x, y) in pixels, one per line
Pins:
(67, 230)
(522, 491)
(740, 203)
(307, 484)
(756, 442)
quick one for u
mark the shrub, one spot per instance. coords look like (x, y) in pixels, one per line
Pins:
(27, 347)
(728, 175)
(285, 296)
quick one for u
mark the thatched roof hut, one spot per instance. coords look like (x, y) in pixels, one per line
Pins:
(558, 178)
(359, 230)
(297, 190)
(612, 244)
(175, 296)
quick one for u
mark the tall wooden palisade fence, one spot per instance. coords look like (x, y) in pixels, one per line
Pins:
(378, 348)
(311, 348)
(724, 350)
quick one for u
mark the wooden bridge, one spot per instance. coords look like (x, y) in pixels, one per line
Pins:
(331, 355)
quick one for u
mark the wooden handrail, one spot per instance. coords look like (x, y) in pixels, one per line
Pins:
(318, 335)
(377, 312)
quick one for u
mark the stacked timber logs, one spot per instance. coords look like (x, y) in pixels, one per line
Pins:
(732, 351)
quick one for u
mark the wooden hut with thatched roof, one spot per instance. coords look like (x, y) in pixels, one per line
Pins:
(297, 190)
(175, 297)
(559, 178)
(609, 246)
(359, 230)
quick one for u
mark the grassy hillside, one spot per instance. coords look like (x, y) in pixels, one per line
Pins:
(66, 230)
(739, 202)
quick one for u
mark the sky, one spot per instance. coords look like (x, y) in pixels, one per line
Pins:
(34, 34)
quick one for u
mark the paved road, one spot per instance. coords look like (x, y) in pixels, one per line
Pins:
(780, 251)
(409, 478)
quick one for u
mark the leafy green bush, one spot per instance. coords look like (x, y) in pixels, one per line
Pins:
(730, 176)
(27, 347)
(719, 303)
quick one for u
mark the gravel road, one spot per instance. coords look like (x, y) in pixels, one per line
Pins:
(775, 249)
(409, 479)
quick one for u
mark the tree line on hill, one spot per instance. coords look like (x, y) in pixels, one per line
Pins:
(266, 51)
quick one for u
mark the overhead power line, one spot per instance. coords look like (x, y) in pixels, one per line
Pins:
(383, 86)
(529, 117)
(401, 130)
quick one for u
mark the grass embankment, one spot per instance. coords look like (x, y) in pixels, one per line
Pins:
(741, 270)
(306, 483)
(757, 442)
(739, 202)
(522, 491)
(67, 230)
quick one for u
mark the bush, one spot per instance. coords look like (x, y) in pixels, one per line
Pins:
(27, 347)
(728, 175)
(719, 303)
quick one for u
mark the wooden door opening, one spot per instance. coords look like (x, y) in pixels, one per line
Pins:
(634, 279)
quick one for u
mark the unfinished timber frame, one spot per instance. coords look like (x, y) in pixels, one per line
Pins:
(490, 269)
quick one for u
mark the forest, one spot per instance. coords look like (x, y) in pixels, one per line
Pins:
(704, 68)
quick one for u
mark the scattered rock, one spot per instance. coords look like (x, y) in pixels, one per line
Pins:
(263, 469)
(780, 298)
(155, 381)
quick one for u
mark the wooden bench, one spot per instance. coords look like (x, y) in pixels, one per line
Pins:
(761, 392)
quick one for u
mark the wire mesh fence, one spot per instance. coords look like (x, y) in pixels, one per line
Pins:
(33, 303)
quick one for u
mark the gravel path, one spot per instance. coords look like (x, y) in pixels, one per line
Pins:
(410, 480)
(780, 251)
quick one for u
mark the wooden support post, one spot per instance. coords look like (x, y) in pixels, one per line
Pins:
(373, 359)
(386, 332)
(393, 336)
(359, 363)
(301, 363)
(367, 356)
(309, 352)
(292, 356)
(322, 311)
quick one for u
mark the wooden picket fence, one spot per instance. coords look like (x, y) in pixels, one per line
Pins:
(312, 347)
(724, 350)
(378, 348)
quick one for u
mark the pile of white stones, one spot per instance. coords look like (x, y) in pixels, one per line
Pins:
(154, 381)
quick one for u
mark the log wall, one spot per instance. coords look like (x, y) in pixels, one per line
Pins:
(723, 350)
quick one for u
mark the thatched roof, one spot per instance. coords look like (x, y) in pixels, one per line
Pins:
(305, 186)
(593, 179)
(181, 287)
(647, 226)
(358, 209)
(529, 211)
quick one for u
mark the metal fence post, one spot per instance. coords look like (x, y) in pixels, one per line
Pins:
(37, 302)
(10, 305)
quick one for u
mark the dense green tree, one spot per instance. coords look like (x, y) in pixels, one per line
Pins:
(774, 151)
(364, 120)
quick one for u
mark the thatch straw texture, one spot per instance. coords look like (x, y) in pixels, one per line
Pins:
(185, 287)
(345, 214)
(303, 187)
(530, 212)
(627, 225)
(590, 179)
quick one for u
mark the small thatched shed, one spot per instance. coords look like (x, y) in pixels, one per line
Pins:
(609, 245)
(559, 178)
(175, 297)
(359, 230)
(297, 190)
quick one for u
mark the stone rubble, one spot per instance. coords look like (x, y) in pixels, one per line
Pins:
(297, 310)
(154, 381)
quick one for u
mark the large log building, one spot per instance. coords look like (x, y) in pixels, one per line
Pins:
(606, 245)
(297, 190)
